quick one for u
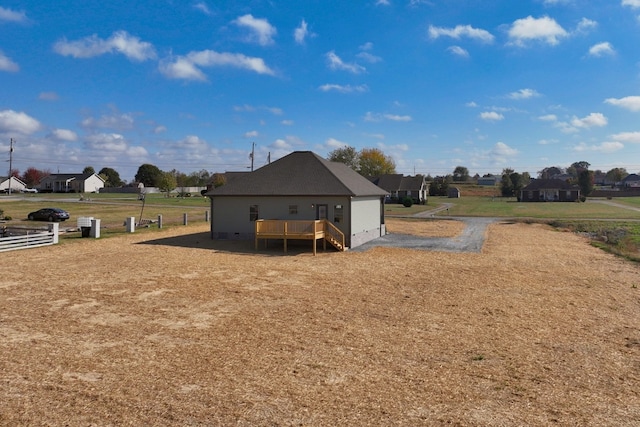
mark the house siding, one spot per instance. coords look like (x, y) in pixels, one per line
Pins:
(239, 226)
(364, 226)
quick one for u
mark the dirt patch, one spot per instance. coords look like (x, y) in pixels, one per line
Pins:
(425, 227)
(171, 328)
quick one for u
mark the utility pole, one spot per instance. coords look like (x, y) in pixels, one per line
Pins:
(253, 149)
(10, 162)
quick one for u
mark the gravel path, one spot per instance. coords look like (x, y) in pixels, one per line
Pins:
(470, 240)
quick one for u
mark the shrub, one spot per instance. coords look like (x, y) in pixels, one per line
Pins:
(407, 202)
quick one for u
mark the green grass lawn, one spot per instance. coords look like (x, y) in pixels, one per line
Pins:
(111, 209)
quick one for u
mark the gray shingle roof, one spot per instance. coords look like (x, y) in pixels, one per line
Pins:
(301, 173)
(549, 184)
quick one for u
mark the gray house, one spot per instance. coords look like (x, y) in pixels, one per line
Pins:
(299, 191)
(399, 187)
(549, 190)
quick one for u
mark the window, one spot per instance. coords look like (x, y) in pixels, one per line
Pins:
(253, 212)
(293, 209)
(338, 214)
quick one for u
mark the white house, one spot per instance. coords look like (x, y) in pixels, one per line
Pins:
(71, 183)
(304, 187)
(16, 185)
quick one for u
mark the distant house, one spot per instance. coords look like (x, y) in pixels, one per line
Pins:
(488, 181)
(453, 192)
(13, 182)
(631, 181)
(399, 187)
(300, 188)
(71, 183)
(549, 190)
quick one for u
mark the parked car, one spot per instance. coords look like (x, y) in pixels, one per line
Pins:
(29, 190)
(49, 214)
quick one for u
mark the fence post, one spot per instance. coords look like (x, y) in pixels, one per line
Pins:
(95, 228)
(131, 224)
(184, 219)
(54, 228)
(206, 216)
(159, 220)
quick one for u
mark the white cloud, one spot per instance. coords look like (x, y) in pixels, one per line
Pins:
(261, 31)
(377, 117)
(107, 143)
(301, 33)
(458, 51)
(281, 144)
(287, 122)
(631, 3)
(6, 64)
(397, 118)
(334, 143)
(8, 15)
(461, 31)
(585, 25)
(633, 137)
(344, 88)
(202, 7)
(502, 151)
(110, 121)
(159, 129)
(119, 42)
(605, 147)
(523, 94)
(64, 135)
(491, 116)
(548, 118)
(631, 103)
(383, 3)
(251, 134)
(48, 96)
(471, 104)
(137, 153)
(531, 29)
(335, 63)
(601, 49)
(186, 67)
(592, 120)
(368, 57)
(18, 122)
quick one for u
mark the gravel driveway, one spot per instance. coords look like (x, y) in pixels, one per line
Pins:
(471, 239)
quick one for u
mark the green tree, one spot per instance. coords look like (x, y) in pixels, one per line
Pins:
(218, 179)
(167, 182)
(88, 170)
(616, 174)
(506, 186)
(461, 174)
(373, 162)
(549, 172)
(439, 186)
(347, 155)
(585, 181)
(111, 177)
(149, 175)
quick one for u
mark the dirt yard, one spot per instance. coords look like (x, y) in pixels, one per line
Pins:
(171, 328)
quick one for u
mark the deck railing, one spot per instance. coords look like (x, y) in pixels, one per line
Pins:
(299, 229)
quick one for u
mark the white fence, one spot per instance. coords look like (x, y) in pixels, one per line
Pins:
(30, 238)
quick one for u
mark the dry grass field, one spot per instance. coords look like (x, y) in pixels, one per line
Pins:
(170, 328)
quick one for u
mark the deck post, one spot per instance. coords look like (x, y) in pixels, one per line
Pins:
(285, 237)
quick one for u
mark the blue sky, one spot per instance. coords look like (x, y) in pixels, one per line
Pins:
(435, 84)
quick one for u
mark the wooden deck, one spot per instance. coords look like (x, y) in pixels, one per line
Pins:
(300, 230)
